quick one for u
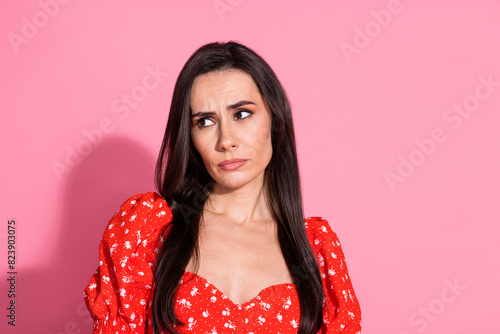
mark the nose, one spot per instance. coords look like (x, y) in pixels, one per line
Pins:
(227, 138)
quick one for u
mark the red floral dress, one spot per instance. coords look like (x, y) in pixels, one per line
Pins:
(119, 294)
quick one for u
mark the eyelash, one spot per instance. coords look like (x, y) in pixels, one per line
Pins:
(239, 111)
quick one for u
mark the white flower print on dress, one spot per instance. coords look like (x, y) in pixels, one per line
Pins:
(194, 291)
(127, 255)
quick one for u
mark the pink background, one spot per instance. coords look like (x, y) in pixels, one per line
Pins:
(367, 81)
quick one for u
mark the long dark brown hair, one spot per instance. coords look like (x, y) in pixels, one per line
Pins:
(183, 181)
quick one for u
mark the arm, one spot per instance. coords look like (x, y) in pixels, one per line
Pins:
(341, 310)
(119, 292)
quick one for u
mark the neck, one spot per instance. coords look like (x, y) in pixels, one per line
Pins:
(240, 206)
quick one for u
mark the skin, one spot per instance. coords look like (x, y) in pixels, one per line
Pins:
(237, 230)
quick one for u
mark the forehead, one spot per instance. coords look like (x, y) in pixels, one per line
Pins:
(223, 87)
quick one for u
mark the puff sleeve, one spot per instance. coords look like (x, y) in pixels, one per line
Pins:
(118, 294)
(341, 309)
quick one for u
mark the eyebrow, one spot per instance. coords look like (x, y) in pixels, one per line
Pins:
(230, 107)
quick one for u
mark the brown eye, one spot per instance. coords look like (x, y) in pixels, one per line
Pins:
(241, 114)
(202, 122)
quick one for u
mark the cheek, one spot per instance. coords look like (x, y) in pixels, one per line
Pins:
(261, 139)
(201, 146)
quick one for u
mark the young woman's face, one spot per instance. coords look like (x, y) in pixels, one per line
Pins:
(231, 128)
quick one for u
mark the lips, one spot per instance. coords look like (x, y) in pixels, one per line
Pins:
(232, 161)
(232, 164)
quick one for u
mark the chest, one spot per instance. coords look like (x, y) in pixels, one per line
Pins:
(205, 309)
(240, 261)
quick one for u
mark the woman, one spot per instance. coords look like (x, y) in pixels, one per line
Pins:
(223, 247)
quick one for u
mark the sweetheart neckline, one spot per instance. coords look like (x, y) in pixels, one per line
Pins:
(261, 293)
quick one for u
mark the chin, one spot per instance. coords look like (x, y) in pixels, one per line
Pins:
(233, 182)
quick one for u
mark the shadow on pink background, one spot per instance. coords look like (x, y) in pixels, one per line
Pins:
(51, 296)
(396, 110)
